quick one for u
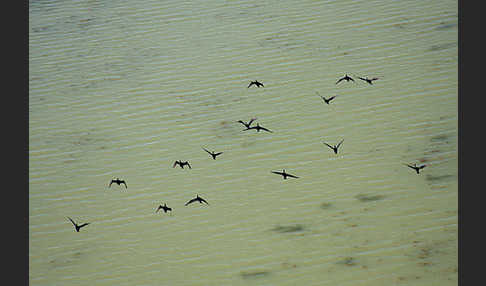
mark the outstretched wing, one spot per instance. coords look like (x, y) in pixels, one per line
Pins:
(190, 201)
(112, 181)
(219, 153)
(72, 221)
(187, 163)
(423, 166)
(263, 128)
(337, 146)
(249, 122)
(292, 176)
(123, 182)
(251, 83)
(411, 166)
(339, 80)
(175, 164)
(278, 173)
(206, 151)
(84, 224)
(328, 145)
(203, 200)
(158, 209)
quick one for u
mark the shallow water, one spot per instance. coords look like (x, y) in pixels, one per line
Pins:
(123, 89)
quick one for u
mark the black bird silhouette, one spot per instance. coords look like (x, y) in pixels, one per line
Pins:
(285, 175)
(118, 182)
(78, 227)
(326, 100)
(247, 125)
(197, 199)
(257, 83)
(182, 164)
(368, 80)
(213, 154)
(415, 167)
(258, 128)
(335, 147)
(164, 207)
(346, 78)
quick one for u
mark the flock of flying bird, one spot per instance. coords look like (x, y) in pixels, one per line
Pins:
(248, 126)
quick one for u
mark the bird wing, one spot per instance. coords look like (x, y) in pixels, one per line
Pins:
(249, 122)
(72, 221)
(123, 182)
(111, 183)
(190, 202)
(218, 153)
(362, 78)
(423, 166)
(251, 83)
(278, 173)
(260, 84)
(84, 224)
(339, 80)
(263, 128)
(206, 151)
(339, 143)
(292, 176)
(175, 164)
(187, 163)
(203, 200)
(413, 167)
(328, 145)
(158, 209)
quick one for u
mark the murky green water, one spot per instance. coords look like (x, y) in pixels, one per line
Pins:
(123, 89)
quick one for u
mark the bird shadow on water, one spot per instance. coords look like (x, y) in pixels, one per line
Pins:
(369, 198)
(288, 228)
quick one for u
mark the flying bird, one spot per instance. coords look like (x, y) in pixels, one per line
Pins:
(335, 147)
(346, 78)
(164, 207)
(257, 83)
(182, 164)
(415, 167)
(285, 175)
(368, 80)
(258, 128)
(213, 154)
(326, 100)
(118, 182)
(247, 125)
(197, 199)
(78, 227)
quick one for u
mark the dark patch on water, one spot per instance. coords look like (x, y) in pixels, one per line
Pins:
(254, 274)
(437, 178)
(288, 228)
(369, 198)
(438, 138)
(326, 206)
(448, 26)
(441, 47)
(348, 261)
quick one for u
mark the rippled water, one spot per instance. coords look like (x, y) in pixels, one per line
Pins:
(125, 88)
